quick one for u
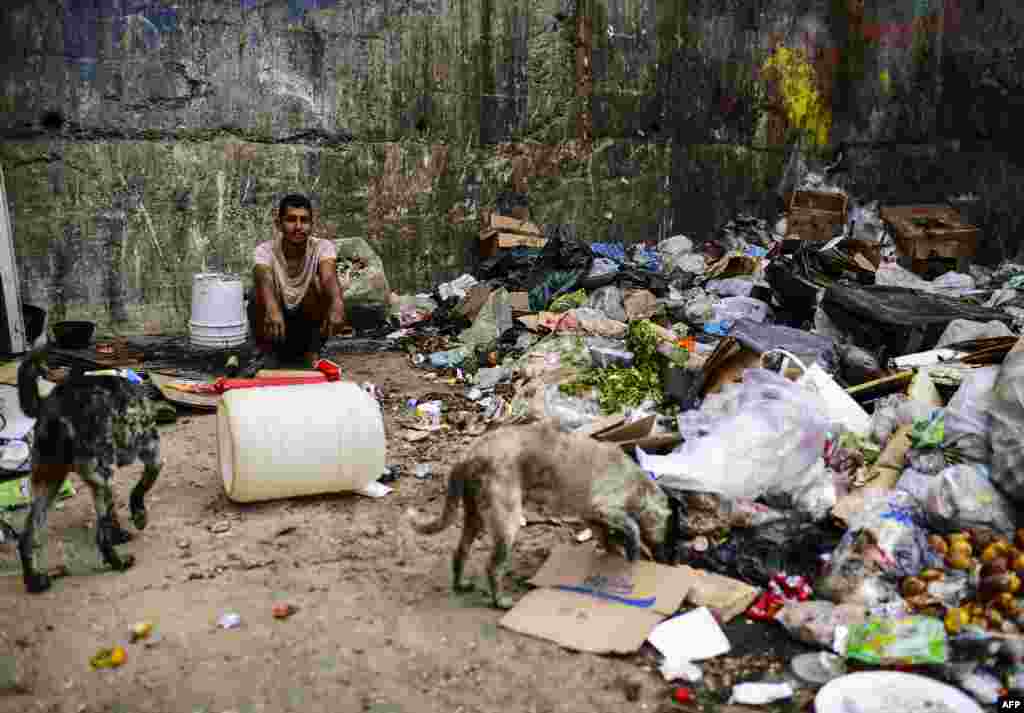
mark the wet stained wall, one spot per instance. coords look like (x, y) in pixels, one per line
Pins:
(147, 140)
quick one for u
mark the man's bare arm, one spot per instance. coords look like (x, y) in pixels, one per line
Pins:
(329, 279)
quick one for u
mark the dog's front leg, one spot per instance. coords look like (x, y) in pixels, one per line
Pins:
(104, 501)
(46, 482)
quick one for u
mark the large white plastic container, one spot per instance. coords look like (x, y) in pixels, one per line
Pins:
(218, 311)
(308, 439)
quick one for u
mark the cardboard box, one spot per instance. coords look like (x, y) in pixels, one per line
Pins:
(519, 302)
(923, 231)
(815, 215)
(598, 603)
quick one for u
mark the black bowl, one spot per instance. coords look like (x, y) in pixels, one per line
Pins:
(73, 335)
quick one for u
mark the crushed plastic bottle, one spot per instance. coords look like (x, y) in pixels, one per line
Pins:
(229, 620)
(452, 357)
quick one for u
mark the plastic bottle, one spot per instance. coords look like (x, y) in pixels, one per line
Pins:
(452, 357)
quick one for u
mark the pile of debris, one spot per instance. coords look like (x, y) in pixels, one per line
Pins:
(834, 402)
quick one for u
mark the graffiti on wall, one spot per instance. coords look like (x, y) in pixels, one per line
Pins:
(93, 26)
(297, 9)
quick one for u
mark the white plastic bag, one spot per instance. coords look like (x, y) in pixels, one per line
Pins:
(733, 308)
(840, 407)
(967, 416)
(764, 438)
(1007, 431)
(962, 496)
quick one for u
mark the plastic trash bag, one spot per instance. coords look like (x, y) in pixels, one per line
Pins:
(731, 309)
(884, 542)
(916, 483)
(730, 287)
(962, 496)
(815, 622)
(570, 412)
(968, 420)
(767, 437)
(962, 330)
(602, 272)
(894, 411)
(1007, 431)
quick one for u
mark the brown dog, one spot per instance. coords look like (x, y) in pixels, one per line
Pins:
(569, 473)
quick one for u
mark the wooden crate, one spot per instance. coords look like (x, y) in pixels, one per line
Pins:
(815, 215)
(505, 232)
(923, 231)
(490, 245)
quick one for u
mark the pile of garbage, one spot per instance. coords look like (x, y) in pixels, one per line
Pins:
(840, 432)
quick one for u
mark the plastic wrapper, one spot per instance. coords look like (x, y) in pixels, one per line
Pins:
(731, 309)
(911, 640)
(930, 461)
(962, 496)
(1007, 431)
(783, 435)
(570, 412)
(884, 542)
(968, 420)
(815, 622)
(808, 347)
(730, 287)
(929, 432)
(816, 494)
(608, 300)
(894, 411)
(916, 483)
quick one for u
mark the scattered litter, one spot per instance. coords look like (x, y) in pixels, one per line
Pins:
(758, 694)
(283, 610)
(141, 631)
(108, 658)
(423, 471)
(229, 620)
(375, 489)
(584, 535)
(693, 636)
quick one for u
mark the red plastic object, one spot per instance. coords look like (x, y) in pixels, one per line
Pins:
(223, 385)
(329, 369)
(683, 695)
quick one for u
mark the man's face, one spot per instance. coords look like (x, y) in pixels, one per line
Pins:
(295, 225)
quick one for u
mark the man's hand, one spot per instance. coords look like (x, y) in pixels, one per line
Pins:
(273, 325)
(335, 321)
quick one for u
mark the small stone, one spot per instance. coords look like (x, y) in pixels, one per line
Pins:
(220, 527)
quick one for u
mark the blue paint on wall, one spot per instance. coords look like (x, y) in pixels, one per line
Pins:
(86, 20)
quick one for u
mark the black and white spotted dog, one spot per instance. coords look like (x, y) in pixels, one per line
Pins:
(87, 424)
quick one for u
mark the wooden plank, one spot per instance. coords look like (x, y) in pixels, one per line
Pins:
(513, 225)
(510, 240)
(15, 341)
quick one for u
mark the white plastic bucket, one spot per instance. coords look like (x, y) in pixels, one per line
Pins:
(308, 439)
(218, 311)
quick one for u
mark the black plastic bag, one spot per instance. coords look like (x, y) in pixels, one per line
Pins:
(793, 545)
(901, 320)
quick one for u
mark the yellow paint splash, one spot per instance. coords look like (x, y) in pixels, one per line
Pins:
(797, 81)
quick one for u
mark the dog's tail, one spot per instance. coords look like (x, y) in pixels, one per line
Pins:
(29, 371)
(456, 491)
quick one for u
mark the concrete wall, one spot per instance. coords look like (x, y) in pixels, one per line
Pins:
(146, 140)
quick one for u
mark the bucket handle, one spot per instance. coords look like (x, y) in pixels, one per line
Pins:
(789, 357)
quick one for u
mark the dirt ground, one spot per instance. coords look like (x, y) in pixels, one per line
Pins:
(377, 628)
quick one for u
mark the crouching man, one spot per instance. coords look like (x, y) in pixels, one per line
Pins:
(297, 302)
